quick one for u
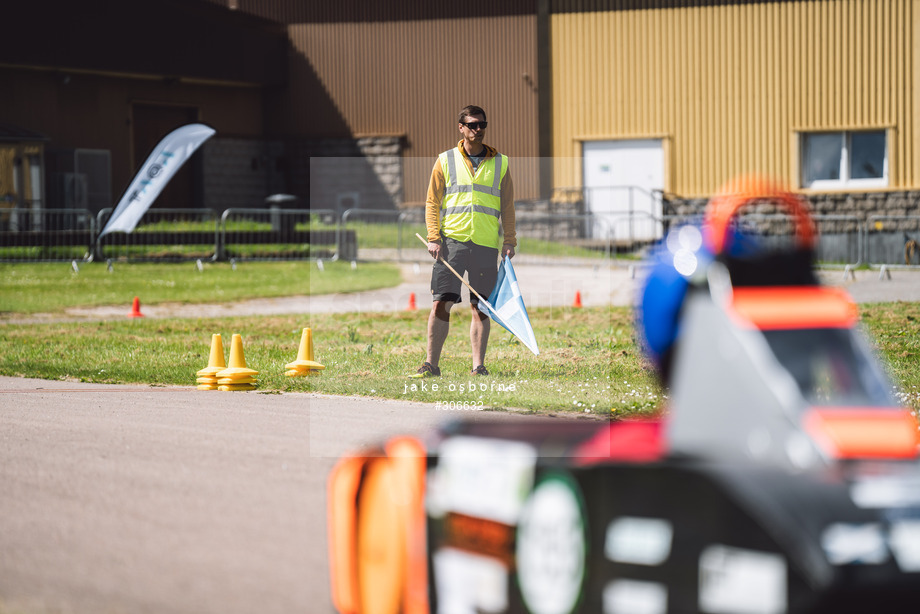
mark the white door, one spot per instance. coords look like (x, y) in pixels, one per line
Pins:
(623, 182)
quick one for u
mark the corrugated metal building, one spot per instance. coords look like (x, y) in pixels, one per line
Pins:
(677, 97)
(819, 93)
(733, 87)
(665, 96)
(404, 69)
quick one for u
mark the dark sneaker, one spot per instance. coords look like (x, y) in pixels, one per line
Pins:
(480, 370)
(426, 370)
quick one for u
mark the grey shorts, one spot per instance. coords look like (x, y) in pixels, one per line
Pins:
(480, 262)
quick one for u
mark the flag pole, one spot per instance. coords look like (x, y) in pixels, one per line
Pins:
(452, 270)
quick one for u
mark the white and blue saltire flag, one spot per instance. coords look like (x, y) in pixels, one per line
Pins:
(506, 306)
(167, 157)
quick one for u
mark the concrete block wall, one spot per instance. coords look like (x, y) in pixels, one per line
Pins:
(860, 206)
(340, 174)
(877, 220)
(241, 173)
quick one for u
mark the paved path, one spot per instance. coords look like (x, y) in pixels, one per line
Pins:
(875, 287)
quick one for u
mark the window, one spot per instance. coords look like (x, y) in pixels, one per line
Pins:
(833, 160)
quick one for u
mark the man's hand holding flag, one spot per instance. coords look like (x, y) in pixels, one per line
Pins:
(506, 304)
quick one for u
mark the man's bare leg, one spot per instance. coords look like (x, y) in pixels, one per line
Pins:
(438, 327)
(479, 336)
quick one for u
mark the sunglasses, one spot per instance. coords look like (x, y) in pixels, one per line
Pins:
(475, 125)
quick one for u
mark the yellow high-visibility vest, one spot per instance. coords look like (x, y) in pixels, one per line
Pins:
(472, 204)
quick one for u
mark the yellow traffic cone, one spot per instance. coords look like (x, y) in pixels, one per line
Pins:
(302, 371)
(246, 379)
(304, 365)
(207, 379)
(216, 360)
(229, 387)
(237, 370)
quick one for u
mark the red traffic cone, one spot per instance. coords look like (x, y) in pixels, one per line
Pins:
(577, 302)
(136, 309)
(412, 306)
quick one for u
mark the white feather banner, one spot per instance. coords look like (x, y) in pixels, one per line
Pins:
(167, 157)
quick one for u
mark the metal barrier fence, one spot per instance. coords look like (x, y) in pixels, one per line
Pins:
(840, 236)
(37, 235)
(635, 229)
(546, 238)
(638, 209)
(379, 232)
(841, 240)
(892, 240)
(46, 235)
(282, 234)
(162, 235)
(541, 237)
(410, 223)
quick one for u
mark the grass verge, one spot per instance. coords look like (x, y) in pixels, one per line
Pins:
(892, 328)
(588, 363)
(51, 287)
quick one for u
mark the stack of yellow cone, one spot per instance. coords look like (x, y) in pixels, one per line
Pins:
(237, 376)
(304, 365)
(207, 377)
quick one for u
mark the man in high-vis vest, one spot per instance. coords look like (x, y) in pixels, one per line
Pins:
(469, 214)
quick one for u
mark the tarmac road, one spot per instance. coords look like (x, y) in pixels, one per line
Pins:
(149, 499)
(144, 499)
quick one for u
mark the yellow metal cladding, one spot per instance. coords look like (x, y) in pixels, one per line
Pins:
(728, 88)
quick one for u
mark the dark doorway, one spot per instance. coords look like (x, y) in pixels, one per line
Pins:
(151, 122)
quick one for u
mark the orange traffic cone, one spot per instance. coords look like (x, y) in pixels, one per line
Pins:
(412, 306)
(577, 302)
(136, 309)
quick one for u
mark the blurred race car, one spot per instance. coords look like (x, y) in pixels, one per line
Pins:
(782, 476)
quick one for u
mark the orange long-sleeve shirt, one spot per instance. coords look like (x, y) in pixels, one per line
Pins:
(436, 195)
